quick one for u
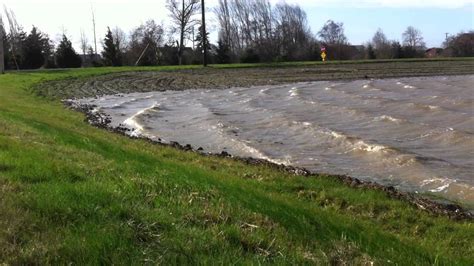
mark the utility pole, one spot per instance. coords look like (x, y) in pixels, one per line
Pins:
(93, 25)
(2, 66)
(204, 37)
(141, 55)
(447, 36)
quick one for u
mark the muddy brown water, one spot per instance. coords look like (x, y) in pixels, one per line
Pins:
(416, 134)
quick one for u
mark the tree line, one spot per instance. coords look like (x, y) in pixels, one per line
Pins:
(249, 31)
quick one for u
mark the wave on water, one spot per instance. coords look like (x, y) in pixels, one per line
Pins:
(388, 119)
(438, 184)
(363, 146)
(259, 154)
(137, 128)
(124, 103)
(96, 109)
(294, 92)
(448, 135)
(425, 106)
(358, 144)
(389, 154)
(406, 86)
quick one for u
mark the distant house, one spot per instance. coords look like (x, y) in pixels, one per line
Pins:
(433, 52)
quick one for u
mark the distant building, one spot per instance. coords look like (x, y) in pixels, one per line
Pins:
(433, 52)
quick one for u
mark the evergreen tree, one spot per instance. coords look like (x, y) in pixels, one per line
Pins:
(35, 50)
(223, 52)
(370, 52)
(199, 40)
(111, 53)
(397, 50)
(66, 56)
(91, 58)
(410, 52)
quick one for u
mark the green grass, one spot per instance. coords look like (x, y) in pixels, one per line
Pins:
(71, 193)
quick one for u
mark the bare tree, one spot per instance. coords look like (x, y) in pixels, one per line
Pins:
(333, 37)
(379, 39)
(333, 33)
(222, 12)
(255, 26)
(145, 40)
(412, 38)
(234, 18)
(381, 44)
(181, 13)
(247, 24)
(242, 10)
(120, 38)
(293, 31)
(461, 44)
(15, 38)
(263, 27)
(2, 66)
(84, 42)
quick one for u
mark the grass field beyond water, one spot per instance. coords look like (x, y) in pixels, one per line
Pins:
(72, 193)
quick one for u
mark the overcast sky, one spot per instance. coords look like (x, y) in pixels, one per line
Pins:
(361, 18)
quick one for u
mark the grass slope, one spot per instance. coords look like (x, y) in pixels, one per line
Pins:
(71, 193)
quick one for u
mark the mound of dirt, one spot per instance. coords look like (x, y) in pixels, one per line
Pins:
(215, 78)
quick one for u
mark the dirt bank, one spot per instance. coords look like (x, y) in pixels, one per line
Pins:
(216, 78)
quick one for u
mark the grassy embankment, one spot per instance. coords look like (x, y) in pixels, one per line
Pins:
(73, 193)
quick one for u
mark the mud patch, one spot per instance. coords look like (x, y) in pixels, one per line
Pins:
(220, 78)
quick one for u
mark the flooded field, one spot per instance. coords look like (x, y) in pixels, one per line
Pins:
(416, 134)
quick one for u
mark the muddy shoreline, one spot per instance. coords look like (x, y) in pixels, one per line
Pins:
(223, 78)
(445, 208)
